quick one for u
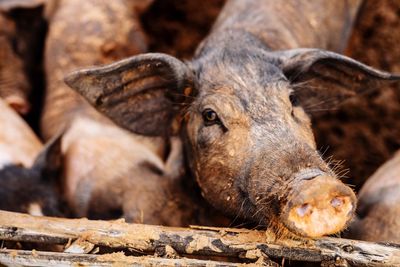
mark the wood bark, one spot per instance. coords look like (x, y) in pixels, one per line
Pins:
(195, 241)
(40, 258)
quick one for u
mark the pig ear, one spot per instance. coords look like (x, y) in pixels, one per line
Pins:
(142, 93)
(323, 79)
(49, 162)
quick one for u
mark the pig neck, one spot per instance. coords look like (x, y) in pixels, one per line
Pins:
(291, 24)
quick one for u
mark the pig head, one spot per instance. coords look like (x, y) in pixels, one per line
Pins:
(242, 113)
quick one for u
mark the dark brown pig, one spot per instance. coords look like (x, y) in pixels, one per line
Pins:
(28, 172)
(109, 172)
(379, 205)
(241, 104)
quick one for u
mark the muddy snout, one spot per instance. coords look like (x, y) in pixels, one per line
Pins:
(319, 206)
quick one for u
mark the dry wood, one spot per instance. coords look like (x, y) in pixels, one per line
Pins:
(40, 258)
(225, 242)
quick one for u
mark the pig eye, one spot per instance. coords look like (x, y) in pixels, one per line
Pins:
(294, 100)
(210, 117)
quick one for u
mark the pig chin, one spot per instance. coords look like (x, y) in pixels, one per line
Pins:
(318, 206)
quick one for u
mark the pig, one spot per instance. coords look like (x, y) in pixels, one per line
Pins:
(16, 49)
(109, 172)
(378, 210)
(29, 172)
(18, 143)
(242, 108)
(13, 81)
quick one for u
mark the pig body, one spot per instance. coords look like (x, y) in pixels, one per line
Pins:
(109, 173)
(97, 37)
(241, 106)
(128, 180)
(378, 211)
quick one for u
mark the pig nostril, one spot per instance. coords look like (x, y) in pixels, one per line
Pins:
(303, 209)
(336, 202)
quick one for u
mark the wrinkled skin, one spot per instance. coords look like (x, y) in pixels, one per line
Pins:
(109, 173)
(29, 172)
(242, 108)
(378, 211)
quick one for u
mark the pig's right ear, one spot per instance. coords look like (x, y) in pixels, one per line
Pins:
(143, 93)
(323, 79)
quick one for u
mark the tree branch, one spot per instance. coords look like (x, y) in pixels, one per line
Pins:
(203, 241)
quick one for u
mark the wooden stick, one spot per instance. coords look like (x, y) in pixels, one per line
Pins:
(40, 258)
(225, 242)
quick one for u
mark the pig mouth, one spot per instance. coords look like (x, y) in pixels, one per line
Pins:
(319, 206)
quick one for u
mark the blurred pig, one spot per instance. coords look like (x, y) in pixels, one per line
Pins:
(378, 209)
(29, 173)
(17, 49)
(18, 144)
(109, 172)
(13, 81)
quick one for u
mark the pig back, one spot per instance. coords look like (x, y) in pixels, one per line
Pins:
(81, 34)
(291, 24)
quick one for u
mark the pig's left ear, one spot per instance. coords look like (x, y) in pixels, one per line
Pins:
(323, 79)
(142, 93)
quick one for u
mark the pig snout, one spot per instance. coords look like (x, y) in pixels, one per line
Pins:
(319, 205)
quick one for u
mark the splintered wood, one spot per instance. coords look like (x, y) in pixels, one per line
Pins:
(91, 242)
